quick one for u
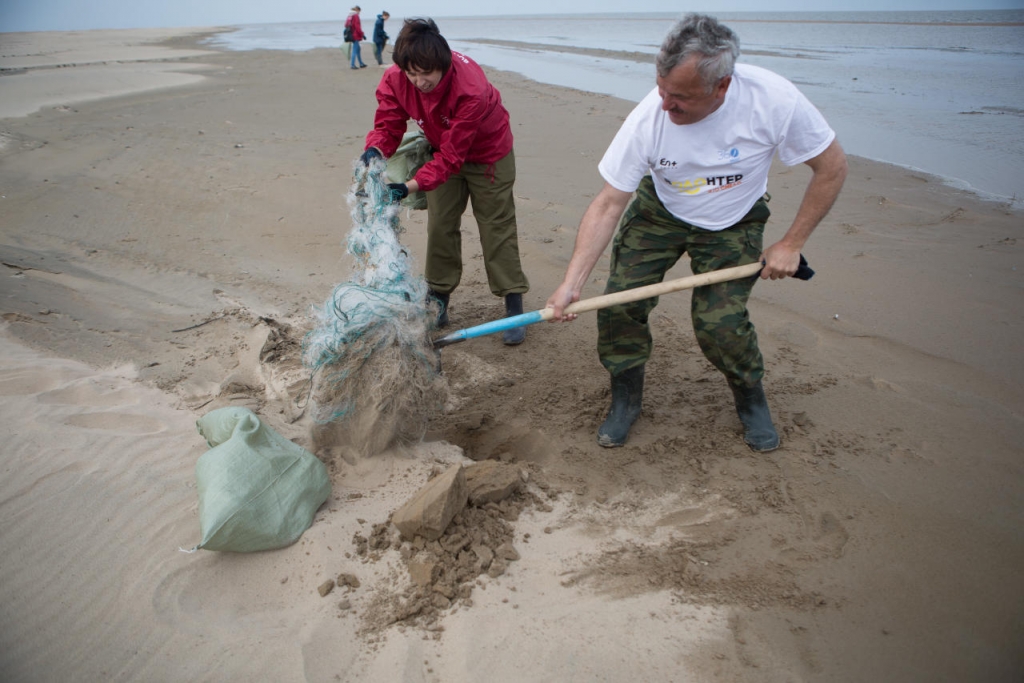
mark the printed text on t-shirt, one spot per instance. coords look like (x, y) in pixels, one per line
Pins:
(717, 183)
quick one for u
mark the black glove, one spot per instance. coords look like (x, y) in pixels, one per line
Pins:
(397, 192)
(803, 271)
(369, 155)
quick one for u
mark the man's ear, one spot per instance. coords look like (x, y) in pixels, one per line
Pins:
(723, 86)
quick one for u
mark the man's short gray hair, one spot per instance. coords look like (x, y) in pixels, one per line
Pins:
(702, 35)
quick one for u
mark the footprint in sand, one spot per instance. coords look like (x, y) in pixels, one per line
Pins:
(711, 509)
(832, 535)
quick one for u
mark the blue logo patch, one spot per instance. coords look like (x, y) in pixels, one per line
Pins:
(730, 156)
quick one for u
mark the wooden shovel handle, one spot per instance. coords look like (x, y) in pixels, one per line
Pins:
(657, 289)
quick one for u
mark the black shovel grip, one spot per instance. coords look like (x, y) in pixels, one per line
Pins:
(803, 271)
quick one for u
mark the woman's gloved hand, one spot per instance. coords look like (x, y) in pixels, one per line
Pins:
(369, 155)
(397, 192)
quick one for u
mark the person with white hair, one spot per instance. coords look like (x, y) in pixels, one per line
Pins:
(687, 173)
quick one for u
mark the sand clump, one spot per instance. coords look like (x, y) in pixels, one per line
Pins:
(443, 571)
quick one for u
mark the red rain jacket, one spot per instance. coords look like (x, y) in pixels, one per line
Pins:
(462, 118)
(356, 25)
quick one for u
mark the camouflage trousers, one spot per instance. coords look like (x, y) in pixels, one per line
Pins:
(648, 242)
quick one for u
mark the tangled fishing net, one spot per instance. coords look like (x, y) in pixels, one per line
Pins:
(376, 378)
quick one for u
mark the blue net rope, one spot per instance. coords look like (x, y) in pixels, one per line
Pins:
(369, 349)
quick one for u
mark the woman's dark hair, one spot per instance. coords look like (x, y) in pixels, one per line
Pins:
(421, 46)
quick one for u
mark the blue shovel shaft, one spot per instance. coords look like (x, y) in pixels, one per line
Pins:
(493, 327)
(604, 301)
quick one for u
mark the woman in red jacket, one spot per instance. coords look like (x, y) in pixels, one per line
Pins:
(356, 25)
(461, 115)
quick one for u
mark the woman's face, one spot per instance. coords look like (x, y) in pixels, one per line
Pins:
(425, 81)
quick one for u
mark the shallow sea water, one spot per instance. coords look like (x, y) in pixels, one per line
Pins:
(941, 92)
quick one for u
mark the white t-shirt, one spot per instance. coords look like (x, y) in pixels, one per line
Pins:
(710, 173)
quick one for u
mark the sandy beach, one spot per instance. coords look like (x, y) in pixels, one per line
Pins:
(169, 214)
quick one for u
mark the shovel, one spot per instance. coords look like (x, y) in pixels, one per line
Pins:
(803, 272)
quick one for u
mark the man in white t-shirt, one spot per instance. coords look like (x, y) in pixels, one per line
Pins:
(687, 173)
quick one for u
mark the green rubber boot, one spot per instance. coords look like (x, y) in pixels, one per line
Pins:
(752, 407)
(627, 395)
(442, 299)
(513, 307)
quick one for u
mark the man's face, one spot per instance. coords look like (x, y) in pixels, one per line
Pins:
(684, 96)
(425, 81)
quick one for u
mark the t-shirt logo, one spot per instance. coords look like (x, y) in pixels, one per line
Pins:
(688, 186)
(717, 183)
(730, 156)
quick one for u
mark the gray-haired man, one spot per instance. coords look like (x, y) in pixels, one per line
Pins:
(696, 152)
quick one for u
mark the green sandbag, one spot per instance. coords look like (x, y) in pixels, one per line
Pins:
(257, 489)
(412, 153)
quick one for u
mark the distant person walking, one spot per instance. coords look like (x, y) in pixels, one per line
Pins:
(355, 26)
(380, 38)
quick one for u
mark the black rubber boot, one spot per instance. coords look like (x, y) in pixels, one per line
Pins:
(442, 317)
(752, 407)
(627, 395)
(513, 306)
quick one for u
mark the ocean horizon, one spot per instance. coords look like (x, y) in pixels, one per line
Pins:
(938, 92)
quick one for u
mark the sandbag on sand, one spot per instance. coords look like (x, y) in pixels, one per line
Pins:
(257, 489)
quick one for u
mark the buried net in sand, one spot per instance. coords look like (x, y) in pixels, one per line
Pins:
(376, 377)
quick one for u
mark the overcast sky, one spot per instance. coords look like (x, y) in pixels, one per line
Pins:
(64, 15)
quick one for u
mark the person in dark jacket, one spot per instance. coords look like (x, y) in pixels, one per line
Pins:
(447, 94)
(380, 38)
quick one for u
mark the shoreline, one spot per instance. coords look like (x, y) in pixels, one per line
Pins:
(152, 55)
(162, 251)
(953, 147)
